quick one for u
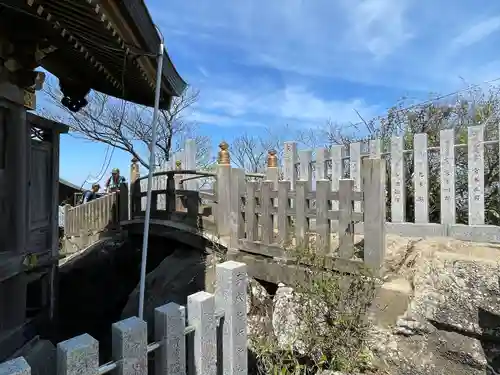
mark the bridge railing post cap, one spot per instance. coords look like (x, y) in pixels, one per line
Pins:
(223, 153)
(272, 159)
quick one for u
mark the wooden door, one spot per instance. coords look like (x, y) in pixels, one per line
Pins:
(40, 196)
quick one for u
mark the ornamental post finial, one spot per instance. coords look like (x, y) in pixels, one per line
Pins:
(272, 159)
(224, 158)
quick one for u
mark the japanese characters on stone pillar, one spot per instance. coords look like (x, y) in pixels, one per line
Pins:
(305, 168)
(290, 163)
(337, 171)
(190, 163)
(447, 154)
(374, 148)
(321, 164)
(398, 188)
(355, 169)
(421, 178)
(476, 174)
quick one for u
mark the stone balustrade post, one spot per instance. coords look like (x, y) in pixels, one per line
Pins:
(179, 206)
(134, 175)
(224, 190)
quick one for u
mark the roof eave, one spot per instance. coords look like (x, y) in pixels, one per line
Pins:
(140, 19)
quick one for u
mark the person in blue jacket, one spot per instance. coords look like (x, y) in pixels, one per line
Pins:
(91, 194)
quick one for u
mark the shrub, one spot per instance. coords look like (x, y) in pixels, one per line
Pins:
(320, 323)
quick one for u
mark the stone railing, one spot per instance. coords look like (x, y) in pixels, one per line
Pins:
(86, 223)
(93, 216)
(202, 318)
(262, 214)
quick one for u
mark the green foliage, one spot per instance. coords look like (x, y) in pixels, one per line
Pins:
(475, 107)
(330, 310)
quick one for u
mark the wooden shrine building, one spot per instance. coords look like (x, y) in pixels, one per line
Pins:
(104, 45)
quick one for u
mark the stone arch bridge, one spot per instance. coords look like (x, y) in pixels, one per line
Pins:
(260, 218)
(254, 217)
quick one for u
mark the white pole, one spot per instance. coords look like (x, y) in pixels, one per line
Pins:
(144, 258)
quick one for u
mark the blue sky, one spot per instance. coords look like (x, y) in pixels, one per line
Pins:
(263, 64)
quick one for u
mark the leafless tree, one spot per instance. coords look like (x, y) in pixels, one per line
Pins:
(249, 152)
(127, 126)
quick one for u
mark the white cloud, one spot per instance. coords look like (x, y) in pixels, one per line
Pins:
(477, 32)
(293, 105)
(396, 43)
(378, 26)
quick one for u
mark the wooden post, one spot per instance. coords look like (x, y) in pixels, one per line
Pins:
(18, 155)
(272, 172)
(272, 175)
(321, 158)
(134, 175)
(266, 218)
(305, 160)
(251, 223)
(67, 222)
(192, 206)
(178, 186)
(374, 214)
(355, 169)
(322, 220)
(123, 204)
(134, 170)
(346, 226)
(224, 191)
(237, 222)
(170, 195)
(283, 218)
(290, 163)
(190, 162)
(162, 185)
(301, 220)
(337, 174)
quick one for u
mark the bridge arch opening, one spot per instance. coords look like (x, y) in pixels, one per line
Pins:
(95, 289)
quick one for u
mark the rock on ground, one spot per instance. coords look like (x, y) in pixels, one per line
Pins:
(452, 323)
(178, 276)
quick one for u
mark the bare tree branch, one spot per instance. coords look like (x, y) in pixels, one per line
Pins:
(126, 126)
(249, 152)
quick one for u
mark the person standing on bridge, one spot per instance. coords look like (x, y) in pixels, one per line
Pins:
(114, 181)
(91, 194)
